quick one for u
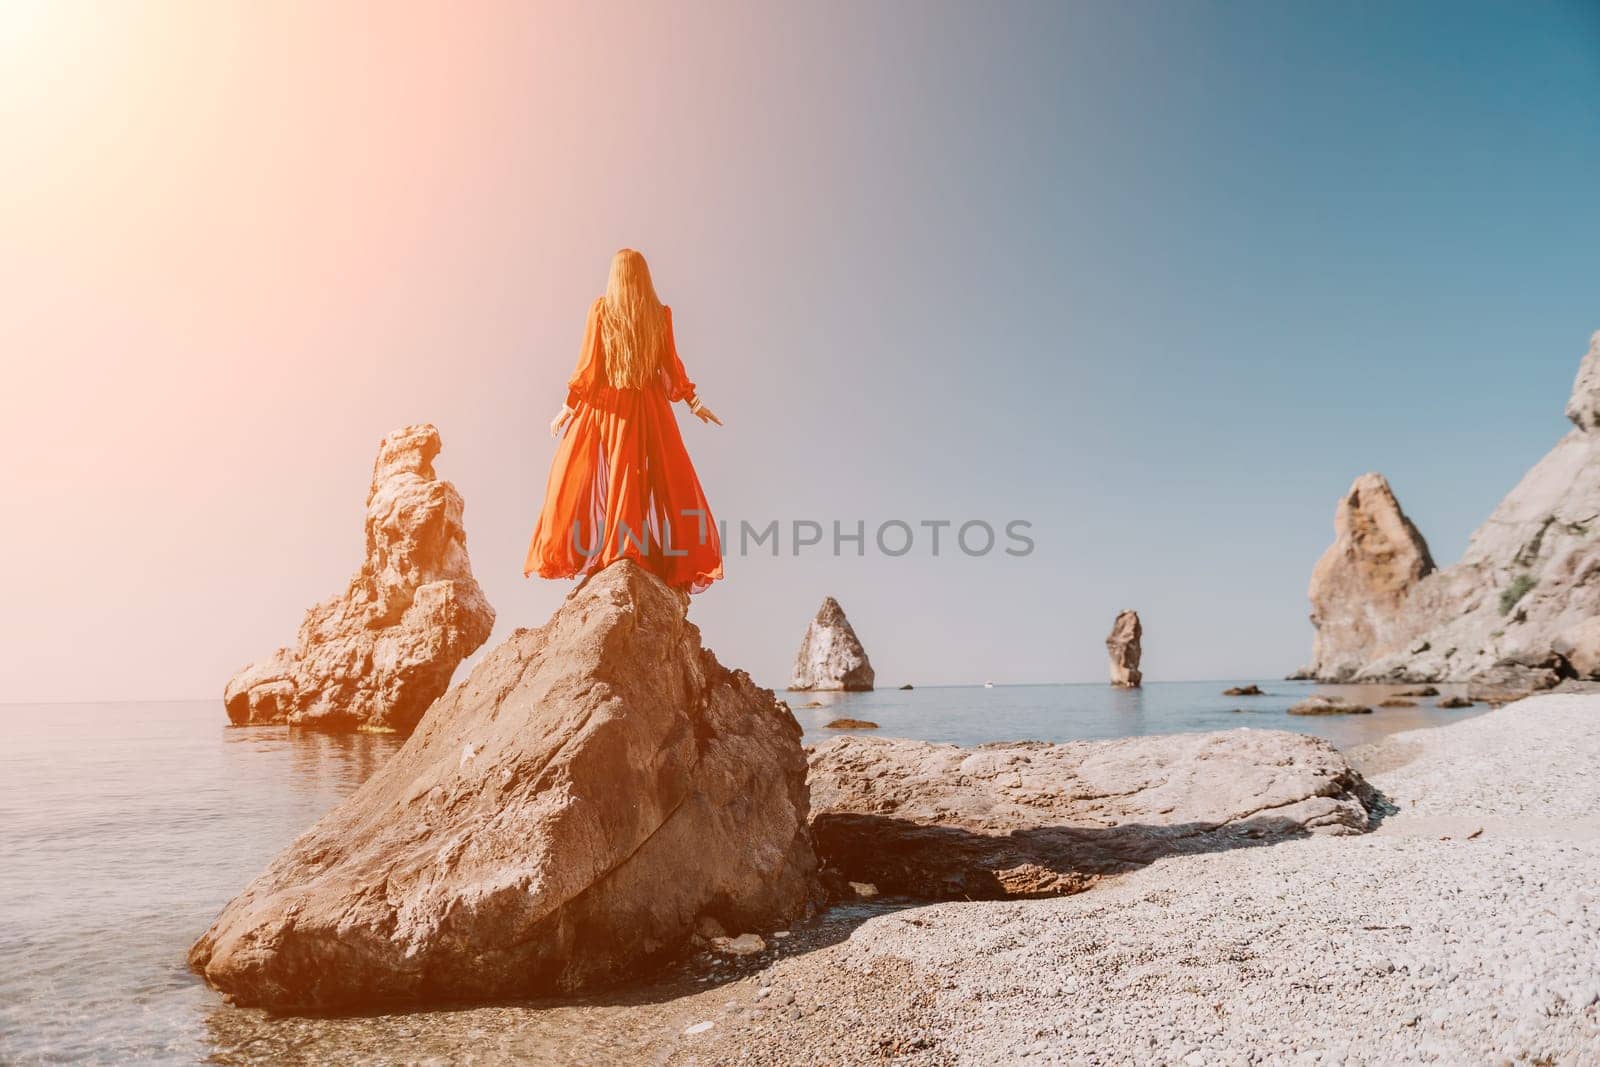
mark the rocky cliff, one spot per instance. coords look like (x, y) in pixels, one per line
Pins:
(560, 819)
(1521, 601)
(377, 655)
(831, 656)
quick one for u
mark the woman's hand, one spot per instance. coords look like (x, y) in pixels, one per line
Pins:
(703, 413)
(561, 419)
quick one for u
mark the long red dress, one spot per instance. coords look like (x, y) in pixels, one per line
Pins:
(621, 485)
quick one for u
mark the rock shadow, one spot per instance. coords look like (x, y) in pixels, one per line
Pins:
(929, 863)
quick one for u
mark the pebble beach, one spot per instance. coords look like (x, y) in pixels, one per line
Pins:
(1465, 929)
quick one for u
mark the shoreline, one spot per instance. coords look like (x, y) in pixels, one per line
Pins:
(1464, 928)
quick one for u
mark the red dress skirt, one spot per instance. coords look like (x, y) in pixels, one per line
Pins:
(621, 485)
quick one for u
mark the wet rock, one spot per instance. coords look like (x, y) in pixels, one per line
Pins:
(1244, 691)
(1453, 702)
(376, 656)
(559, 821)
(852, 724)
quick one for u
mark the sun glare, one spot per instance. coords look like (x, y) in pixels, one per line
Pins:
(22, 27)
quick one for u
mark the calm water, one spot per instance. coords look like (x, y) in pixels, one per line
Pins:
(124, 828)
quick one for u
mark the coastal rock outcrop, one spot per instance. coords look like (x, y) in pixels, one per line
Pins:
(1518, 676)
(1522, 593)
(831, 656)
(1328, 705)
(1030, 819)
(1359, 586)
(1124, 647)
(376, 656)
(561, 818)
(1579, 645)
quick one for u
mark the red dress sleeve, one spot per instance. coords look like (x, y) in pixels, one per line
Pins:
(591, 366)
(679, 387)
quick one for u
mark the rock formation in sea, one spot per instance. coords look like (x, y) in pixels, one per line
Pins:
(377, 655)
(831, 656)
(1517, 612)
(1328, 705)
(1361, 582)
(1124, 648)
(561, 818)
(1030, 819)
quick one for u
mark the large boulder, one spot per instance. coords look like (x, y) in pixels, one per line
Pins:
(1518, 676)
(1360, 584)
(561, 819)
(1328, 705)
(377, 655)
(1124, 648)
(1027, 819)
(1579, 645)
(831, 656)
(1529, 578)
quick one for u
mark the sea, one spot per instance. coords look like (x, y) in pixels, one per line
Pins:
(125, 827)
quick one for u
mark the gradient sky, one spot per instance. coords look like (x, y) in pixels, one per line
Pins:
(1160, 278)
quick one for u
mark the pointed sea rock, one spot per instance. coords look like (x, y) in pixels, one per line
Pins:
(1359, 586)
(377, 655)
(831, 656)
(1124, 646)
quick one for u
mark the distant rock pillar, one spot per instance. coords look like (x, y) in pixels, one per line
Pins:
(1123, 646)
(831, 656)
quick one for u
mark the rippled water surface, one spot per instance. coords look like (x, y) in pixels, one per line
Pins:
(124, 828)
(971, 715)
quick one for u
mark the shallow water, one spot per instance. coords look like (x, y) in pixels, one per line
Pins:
(972, 715)
(124, 828)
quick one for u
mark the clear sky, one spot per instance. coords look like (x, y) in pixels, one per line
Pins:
(1160, 278)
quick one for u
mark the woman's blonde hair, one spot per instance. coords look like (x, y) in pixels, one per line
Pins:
(633, 324)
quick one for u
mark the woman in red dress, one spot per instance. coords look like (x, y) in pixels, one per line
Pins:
(621, 485)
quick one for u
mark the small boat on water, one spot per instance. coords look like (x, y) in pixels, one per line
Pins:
(988, 685)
